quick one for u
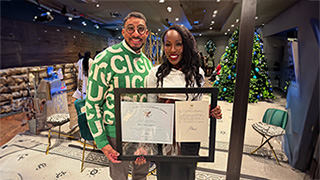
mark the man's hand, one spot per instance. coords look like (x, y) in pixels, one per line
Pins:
(140, 160)
(216, 112)
(110, 153)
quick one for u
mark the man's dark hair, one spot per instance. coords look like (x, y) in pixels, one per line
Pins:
(136, 15)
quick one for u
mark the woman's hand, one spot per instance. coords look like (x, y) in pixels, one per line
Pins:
(140, 160)
(216, 112)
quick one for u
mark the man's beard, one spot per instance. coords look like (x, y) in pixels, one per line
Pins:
(135, 49)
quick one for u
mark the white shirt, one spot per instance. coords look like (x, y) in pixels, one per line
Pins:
(175, 79)
(82, 77)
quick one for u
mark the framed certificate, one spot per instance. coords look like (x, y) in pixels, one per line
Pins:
(173, 125)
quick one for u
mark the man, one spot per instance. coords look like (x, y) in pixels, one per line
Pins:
(120, 66)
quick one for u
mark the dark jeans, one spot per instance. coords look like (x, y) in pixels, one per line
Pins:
(179, 170)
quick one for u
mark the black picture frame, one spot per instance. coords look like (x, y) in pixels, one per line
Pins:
(164, 158)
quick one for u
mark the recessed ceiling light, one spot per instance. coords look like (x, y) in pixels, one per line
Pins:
(262, 24)
(212, 22)
(256, 17)
(119, 37)
(215, 11)
(70, 18)
(218, 0)
(200, 34)
(225, 33)
(161, 1)
(237, 20)
(210, 28)
(228, 29)
(169, 9)
(232, 25)
(117, 29)
(177, 19)
(97, 5)
(213, 15)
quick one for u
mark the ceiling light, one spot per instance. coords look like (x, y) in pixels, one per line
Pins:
(232, 25)
(84, 23)
(200, 34)
(225, 33)
(196, 22)
(44, 17)
(256, 17)
(218, 0)
(212, 22)
(117, 29)
(96, 26)
(161, 1)
(119, 37)
(228, 29)
(97, 5)
(159, 29)
(215, 11)
(237, 20)
(204, 11)
(169, 9)
(177, 19)
(69, 27)
(70, 18)
(213, 15)
(210, 28)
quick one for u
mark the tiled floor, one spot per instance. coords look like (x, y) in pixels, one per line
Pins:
(64, 160)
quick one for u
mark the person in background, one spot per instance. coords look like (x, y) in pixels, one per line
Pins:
(123, 65)
(180, 68)
(202, 61)
(210, 63)
(83, 65)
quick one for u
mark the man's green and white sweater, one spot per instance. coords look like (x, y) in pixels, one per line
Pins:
(116, 67)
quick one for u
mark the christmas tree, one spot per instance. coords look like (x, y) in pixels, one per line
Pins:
(260, 84)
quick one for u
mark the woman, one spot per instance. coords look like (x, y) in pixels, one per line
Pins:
(210, 63)
(180, 68)
(84, 65)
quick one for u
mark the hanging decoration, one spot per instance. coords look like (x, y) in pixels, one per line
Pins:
(210, 46)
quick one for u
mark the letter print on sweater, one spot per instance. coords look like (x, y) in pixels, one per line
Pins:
(116, 67)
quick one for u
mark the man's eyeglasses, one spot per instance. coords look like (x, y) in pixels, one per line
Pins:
(131, 28)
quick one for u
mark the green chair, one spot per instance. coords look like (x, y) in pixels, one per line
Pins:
(83, 125)
(273, 124)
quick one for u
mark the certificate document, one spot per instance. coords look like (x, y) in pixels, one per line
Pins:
(192, 118)
(147, 122)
